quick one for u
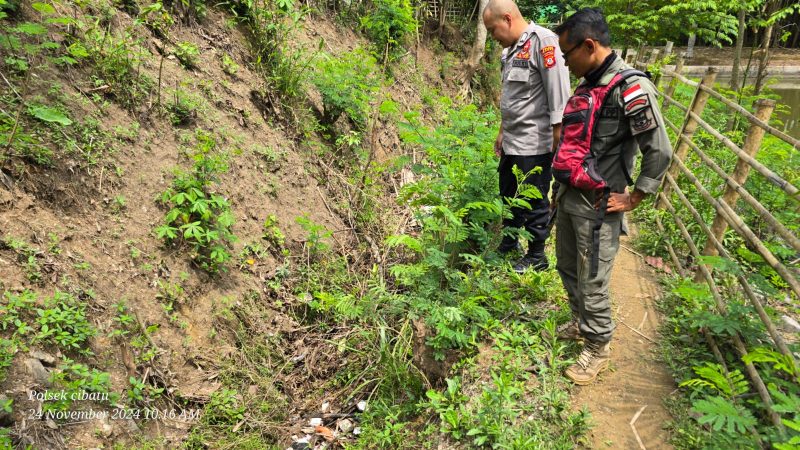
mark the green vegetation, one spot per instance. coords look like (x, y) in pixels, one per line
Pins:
(198, 217)
(348, 84)
(726, 411)
(388, 25)
(229, 66)
(27, 255)
(77, 380)
(416, 315)
(61, 321)
(448, 276)
(184, 108)
(271, 24)
(188, 54)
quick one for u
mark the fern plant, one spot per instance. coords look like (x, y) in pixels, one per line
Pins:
(448, 276)
(723, 415)
(713, 377)
(347, 84)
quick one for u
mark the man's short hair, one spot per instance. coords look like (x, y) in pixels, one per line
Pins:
(587, 23)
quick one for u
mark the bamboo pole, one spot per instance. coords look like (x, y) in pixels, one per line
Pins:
(737, 188)
(794, 142)
(673, 83)
(751, 371)
(752, 143)
(690, 123)
(794, 192)
(672, 126)
(653, 56)
(737, 224)
(671, 101)
(748, 290)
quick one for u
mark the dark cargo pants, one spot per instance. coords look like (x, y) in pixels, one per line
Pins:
(588, 297)
(534, 220)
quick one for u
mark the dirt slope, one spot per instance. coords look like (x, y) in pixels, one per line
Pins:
(102, 219)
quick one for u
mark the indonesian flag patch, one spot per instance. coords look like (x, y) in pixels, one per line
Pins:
(549, 56)
(632, 92)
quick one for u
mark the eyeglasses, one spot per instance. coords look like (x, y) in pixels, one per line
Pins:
(564, 55)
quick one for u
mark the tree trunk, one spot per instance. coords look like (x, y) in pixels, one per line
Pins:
(477, 51)
(442, 16)
(737, 56)
(763, 60)
(690, 45)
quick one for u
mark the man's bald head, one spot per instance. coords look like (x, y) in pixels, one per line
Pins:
(503, 21)
(497, 8)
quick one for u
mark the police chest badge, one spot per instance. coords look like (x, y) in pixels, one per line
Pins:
(549, 56)
(638, 110)
(525, 53)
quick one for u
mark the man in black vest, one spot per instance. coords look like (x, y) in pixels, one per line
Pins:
(629, 121)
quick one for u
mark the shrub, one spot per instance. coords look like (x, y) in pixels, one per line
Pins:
(272, 24)
(63, 321)
(388, 25)
(197, 216)
(188, 54)
(347, 84)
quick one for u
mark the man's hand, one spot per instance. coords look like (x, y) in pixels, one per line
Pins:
(625, 201)
(556, 137)
(498, 144)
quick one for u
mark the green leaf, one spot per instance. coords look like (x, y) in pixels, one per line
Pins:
(721, 413)
(78, 50)
(44, 8)
(48, 114)
(29, 28)
(61, 20)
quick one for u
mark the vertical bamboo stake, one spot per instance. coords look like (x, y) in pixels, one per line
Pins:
(690, 125)
(752, 143)
(673, 82)
(653, 56)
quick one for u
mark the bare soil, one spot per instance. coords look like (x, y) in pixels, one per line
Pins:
(636, 377)
(75, 205)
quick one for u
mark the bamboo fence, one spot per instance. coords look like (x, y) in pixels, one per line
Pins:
(725, 206)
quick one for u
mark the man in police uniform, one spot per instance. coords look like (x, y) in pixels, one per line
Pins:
(535, 91)
(628, 122)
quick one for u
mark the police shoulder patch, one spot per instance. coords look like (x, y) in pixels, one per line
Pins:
(642, 121)
(549, 56)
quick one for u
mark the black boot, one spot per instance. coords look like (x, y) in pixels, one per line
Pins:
(535, 258)
(509, 245)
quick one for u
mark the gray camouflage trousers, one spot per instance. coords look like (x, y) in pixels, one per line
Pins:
(588, 297)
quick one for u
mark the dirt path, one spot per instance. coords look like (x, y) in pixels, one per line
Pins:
(636, 377)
